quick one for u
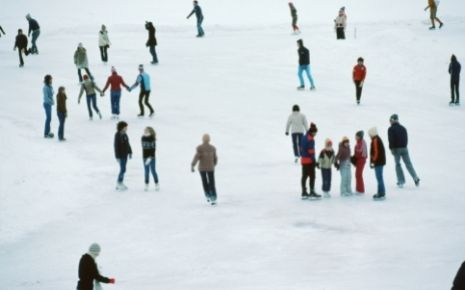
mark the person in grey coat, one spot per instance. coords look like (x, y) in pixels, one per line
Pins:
(298, 126)
(206, 157)
(81, 62)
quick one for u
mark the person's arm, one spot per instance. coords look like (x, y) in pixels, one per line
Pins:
(190, 14)
(375, 157)
(288, 125)
(129, 148)
(364, 74)
(427, 7)
(80, 93)
(390, 138)
(30, 28)
(98, 89)
(215, 158)
(353, 73)
(3, 31)
(136, 83)
(124, 84)
(106, 85)
(195, 160)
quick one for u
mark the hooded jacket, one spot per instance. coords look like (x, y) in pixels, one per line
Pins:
(152, 40)
(377, 152)
(454, 69)
(304, 55)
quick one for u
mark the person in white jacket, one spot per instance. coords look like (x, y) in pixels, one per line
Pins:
(340, 23)
(103, 43)
(297, 125)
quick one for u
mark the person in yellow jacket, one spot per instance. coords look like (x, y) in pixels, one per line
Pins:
(433, 10)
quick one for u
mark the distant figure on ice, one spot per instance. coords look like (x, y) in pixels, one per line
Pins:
(81, 62)
(48, 103)
(344, 166)
(122, 152)
(297, 124)
(398, 140)
(143, 79)
(151, 41)
(115, 81)
(206, 157)
(88, 270)
(433, 10)
(304, 65)
(358, 75)
(2, 31)
(295, 28)
(340, 24)
(104, 43)
(454, 71)
(459, 280)
(62, 112)
(308, 161)
(198, 14)
(149, 147)
(21, 45)
(325, 162)
(377, 161)
(90, 87)
(360, 158)
(34, 29)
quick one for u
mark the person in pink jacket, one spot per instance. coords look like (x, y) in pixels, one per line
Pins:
(359, 160)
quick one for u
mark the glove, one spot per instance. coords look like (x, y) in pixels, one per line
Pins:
(192, 169)
(130, 156)
(287, 133)
(337, 166)
(111, 281)
(318, 165)
(102, 94)
(372, 165)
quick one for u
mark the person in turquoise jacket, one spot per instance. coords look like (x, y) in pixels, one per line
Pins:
(143, 79)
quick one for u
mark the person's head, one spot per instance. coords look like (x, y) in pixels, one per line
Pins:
(300, 43)
(313, 129)
(328, 144)
(61, 90)
(104, 28)
(148, 24)
(453, 58)
(48, 80)
(94, 250)
(359, 135)
(345, 141)
(85, 77)
(149, 131)
(394, 119)
(360, 60)
(291, 4)
(20, 31)
(122, 126)
(342, 10)
(113, 70)
(206, 138)
(295, 108)
(141, 68)
(195, 2)
(28, 16)
(373, 132)
(80, 45)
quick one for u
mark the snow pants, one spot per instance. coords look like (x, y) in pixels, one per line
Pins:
(208, 183)
(359, 184)
(308, 171)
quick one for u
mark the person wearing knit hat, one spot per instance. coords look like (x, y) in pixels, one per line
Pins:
(297, 125)
(308, 162)
(325, 162)
(377, 161)
(304, 65)
(123, 151)
(88, 270)
(340, 24)
(81, 61)
(398, 141)
(344, 166)
(295, 28)
(115, 82)
(359, 160)
(358, 76)
(143, 79)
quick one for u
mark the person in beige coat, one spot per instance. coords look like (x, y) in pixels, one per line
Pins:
(207, 159)
(340, 24)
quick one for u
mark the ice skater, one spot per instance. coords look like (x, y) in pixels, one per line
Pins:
(295, 28)
(358, 76)
(103, 43)
(199, 15)
(377, 161)
(297, 125)
(433, 11)
(89, 272)
(89, 86)
(62, 112)
(21, 45)
(360, 157)
(149, 146)
(143, 79)
(340, 24)
(123, 152)
(454, 71)
(325, 162)
(308, 161)
(81, 62)
(304, 65)
(206, 157)
(151, 41)
(34, 29)
(344, 166)
(48, 103)
(115, 81)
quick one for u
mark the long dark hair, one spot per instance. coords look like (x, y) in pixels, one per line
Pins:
(48, 80)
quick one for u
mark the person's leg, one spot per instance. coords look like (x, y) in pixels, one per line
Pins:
(153, 170)
(102, 56)
(153, 52)
(312, 177)
(299, 74)
(309, 76)
(122, 169)
(146, 171)
(380, 180)
(141, 106)
(94, 104)
(88, 73)
(303, 180)
(349, 177)
(211, 183)
(359, 184)
(452, 91)
(343, 179)
(199, 27)
(20, 52)
(324, 177)
(147, 96)
(79, 75)
(203, 176)
(105, 53)
(457, 95)
(35, 36)
(89, 108)
(296, 137)
(113, 102)
(408, 163)
(48, 119)
(61, 119)
(399, 171)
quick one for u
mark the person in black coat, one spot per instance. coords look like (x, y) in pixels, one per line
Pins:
(199, 15)
(454, 71)
(459, 281)
(152, 41)
(34, 30)
(304, 65)
(122, 152)
(21, 45)
(88, 270)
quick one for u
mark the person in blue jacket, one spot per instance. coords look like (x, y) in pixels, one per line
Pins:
(34, 29)
(199, 15)
(143, 79)
(454, 71)
(48, 103)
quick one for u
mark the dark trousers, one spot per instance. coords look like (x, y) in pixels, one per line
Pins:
(296, 137)
(20, 53)
(144, 98)
(61, 127)
(208, 182)
(326, 176)
(308, 170)
(358, 90)
(104, 53)
(92, 100)
(200, 31)
(87, 71)
(153, 52)
(340, 33)
(454, 91)
(122, 169)
(294, 24)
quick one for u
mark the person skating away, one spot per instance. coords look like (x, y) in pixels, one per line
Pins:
(48, 103)
(340, 24)
(21, 45)
(295, 28)
(149, 147)
(358, 76)
(104, 43)
(459, 280)
(81, 62)
(34, 29)
(304, 65)
(398, 141)
(123, 152)
(344, 166)
(377, 161)
(199, 15)
(89, 272)
(206, 157)
(308, 162)
(297, 125)
(325, 162)
(62, 112)
(360, 157)
(151, 41)
(115, 81)
(143, 79)
(433, 10)
(454, 71)
(2, 31)
(90, 87)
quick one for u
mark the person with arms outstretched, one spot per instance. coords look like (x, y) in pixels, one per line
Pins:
(199, 15)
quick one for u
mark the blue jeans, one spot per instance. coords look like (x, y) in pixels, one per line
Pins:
(379, 179)
(61, 127)
(208, 182)
(326, 176)
(35, 36)
(306, 69)
(115, 97)
(200, 31)
(296, 137)
(153, 52)
(92, 99)
(122, 169)
(150, 167)
(402, 153)
(48, 118)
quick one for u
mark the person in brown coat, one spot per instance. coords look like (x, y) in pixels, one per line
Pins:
(21, 45)
(433, 9)
(61, 112)
(207, 159)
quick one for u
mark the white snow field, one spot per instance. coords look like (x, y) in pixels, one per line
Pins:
(238, 84)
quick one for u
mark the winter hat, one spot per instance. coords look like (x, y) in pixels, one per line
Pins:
(85, 77)
(360, 59)
(80, 45)
(113, 69)
(345, 139)
(328, 143)
(28, 16)
(313, 128)
(359, 134)
(373, 132)
(394, 118)
(295, 108)
(343, 8)
(300, 42)
(121, 125)
(94, 249)
(141, 67)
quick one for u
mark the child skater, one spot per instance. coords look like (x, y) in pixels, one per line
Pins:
(148, 147)
(325, 162)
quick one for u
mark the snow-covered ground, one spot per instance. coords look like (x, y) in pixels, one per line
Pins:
(238, 84)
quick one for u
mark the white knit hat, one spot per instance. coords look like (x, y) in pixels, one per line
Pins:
(373, 132)
(94, 249)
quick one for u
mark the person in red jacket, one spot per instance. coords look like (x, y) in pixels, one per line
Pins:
(360, 158)
(358, 75)
(308, 161)
(115, 81)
